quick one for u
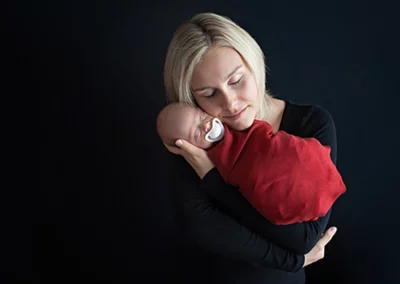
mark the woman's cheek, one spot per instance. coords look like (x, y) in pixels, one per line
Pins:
(208, 107)
(249, 92)
(244, 90)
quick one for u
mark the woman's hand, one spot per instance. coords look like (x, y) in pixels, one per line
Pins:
(318, 251)
(195, 156)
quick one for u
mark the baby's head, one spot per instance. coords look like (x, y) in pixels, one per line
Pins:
(181, 121)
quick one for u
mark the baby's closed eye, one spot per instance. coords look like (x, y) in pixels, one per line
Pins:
(197, 133)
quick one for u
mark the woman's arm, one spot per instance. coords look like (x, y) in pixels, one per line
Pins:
(211, 229)
(299, 238)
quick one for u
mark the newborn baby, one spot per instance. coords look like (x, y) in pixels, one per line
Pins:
(192, 124)
(287, 179)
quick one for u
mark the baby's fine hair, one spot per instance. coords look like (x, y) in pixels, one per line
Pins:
(163, 123)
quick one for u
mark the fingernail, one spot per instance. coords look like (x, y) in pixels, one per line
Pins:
(179, 143)
(333, 230)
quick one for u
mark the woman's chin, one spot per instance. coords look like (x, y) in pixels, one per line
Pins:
(242, 124)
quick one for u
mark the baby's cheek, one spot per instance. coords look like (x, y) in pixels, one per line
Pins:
(206, 144)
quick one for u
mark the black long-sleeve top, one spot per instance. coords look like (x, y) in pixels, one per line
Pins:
(225, 240)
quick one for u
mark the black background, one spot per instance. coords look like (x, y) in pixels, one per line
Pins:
(103, 210)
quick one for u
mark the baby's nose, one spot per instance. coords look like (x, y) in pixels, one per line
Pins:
(207, 126)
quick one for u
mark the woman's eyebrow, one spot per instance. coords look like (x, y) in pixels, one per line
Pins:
(234, 71)
(227, 77)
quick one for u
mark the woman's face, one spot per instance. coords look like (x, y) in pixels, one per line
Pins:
(224, 87)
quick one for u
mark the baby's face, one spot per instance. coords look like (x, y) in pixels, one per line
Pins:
(195, 123)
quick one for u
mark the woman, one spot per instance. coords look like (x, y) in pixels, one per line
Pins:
(216, 65)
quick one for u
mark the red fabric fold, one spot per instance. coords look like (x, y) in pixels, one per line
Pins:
(286, 178)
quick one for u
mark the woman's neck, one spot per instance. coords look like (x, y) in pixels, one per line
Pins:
(276, 113)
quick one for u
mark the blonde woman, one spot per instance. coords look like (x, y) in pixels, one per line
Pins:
(214, 64)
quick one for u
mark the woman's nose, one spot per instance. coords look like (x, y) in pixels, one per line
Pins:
(230, 101)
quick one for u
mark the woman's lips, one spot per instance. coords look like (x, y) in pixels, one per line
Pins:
(236, 116)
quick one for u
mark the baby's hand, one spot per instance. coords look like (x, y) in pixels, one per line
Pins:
(195, 156)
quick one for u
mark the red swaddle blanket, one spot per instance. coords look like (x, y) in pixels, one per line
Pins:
(287, 179)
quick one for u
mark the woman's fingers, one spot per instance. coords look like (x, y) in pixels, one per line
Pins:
(184, 148)
(188, 150)
(196, 157)
(327, 237)
(318, 251)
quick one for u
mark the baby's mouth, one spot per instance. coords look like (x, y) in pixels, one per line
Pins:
(216, 132)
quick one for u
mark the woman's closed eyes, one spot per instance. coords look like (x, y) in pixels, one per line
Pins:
(235, 84)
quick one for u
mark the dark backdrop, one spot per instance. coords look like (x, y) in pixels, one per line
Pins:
(103, 210)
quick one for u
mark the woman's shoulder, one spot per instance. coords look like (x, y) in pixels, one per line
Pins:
(304, 119)
(309, 112)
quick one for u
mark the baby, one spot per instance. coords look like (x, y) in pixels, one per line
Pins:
(287, 179)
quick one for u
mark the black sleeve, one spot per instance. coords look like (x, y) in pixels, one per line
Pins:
(209, 228)
(300, 237)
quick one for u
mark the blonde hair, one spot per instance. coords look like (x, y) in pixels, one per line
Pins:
(190, 43)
